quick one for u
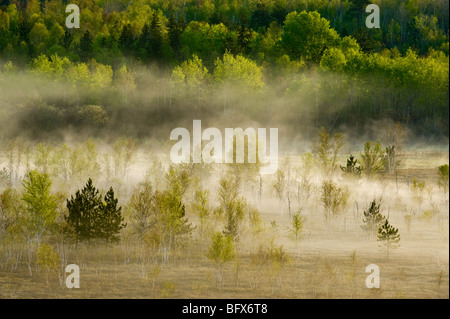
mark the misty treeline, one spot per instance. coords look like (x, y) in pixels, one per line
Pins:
(57, 199)
(136, 67)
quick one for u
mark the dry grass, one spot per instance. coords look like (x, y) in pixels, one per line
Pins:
(331, 259)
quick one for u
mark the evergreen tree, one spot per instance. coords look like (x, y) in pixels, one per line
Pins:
(175, 29)
(372, 218)
(366, 40)
(67, 39)
(111, 220)
(215, 18)
(279, 12)
(155, 38)
(85, 47)
(260, 17)
(91, 218)
(389, 237)
(144, 41)
(126, 39)
(351, 168)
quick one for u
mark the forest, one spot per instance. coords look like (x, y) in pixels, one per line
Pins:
(86, 178)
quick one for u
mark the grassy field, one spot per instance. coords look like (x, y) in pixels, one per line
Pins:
(329, 261)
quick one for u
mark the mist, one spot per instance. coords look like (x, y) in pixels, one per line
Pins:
(46, 123)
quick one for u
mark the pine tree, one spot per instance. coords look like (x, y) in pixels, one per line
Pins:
(351, 168)
(372, 218)
(155, 36)
(260, 17)
(126, 39)
(91, 218)
(144, 39)
(85, 48)
(111, 221)
(175, 29)
(389, 237)
(67, 39)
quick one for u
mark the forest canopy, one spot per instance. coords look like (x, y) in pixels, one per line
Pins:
(316, 57)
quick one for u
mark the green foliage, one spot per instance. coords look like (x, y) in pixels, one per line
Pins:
(334, 199)
(395, 136)
(238, 72)
(85, 47)
(205, 40)
(54, 67)
(351, 169)
(74, 165)
(168, 289)
(231, 206)
(42, 157)
(191, 73)
(93, 116)
(178, 179)
(11, 209)
(222, 248)
(90, 217)
(328, 149)
(48, 258)
(220, 252)
(306, 35)
(443, 173)
(274, 259)
(418, 189)
(296, 228)
(388, 236)
(140, 210)
(372, 158)
(170, 221)
(372, 218)
(406, 59)
(40, 204)
(333, 59)
(200, 207)
(256, 222)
